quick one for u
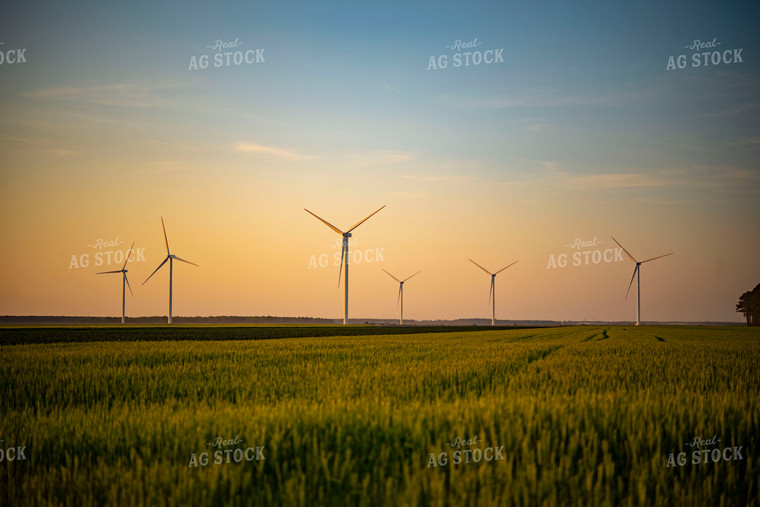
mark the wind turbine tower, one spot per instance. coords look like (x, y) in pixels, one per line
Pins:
(401, 293)
(170, 258)
(124, 283)
(343, 253)
(637, 276)
(492, 292)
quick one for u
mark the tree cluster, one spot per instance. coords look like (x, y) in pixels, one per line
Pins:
(749, 305)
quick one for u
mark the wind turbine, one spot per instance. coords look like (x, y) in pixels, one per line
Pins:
(492, 292)
(124, 283)
(637, 271)
(401, 293)
(170, 258)
(343, 253)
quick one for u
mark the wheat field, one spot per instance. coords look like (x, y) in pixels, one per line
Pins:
(569, 416)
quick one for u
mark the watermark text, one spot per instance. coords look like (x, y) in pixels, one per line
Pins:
(12, 453)
(226, 54)
(465, 54)
(227, 451)
(355, 256)
(703, 452)
(465, 453)
(705, 54)
(584, 252)
(107, 252)
(12, 56)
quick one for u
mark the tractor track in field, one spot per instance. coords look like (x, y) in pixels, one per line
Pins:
(604, 336)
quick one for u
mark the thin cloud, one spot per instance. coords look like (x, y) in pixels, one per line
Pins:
(613, 181)
(724, 177)
(40, 145)
(552, 99)
(630, 179)
(541, 127)
(750, 141)
(22, 140)
(552, 176)
(272, 151)
(133, 95)
(736, 111)
(549, 165)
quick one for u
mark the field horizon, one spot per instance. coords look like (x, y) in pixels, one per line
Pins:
(151, 320)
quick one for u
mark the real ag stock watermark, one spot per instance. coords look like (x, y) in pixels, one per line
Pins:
(465, 453)
(106, 252)
(11, 56)
(707, 451)
(226, 54)
(466, 54)
(585, 253)
(226, 452)
(12, 453)
(367, 255)
(705, 54)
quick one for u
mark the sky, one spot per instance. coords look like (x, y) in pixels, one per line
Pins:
(575, 132)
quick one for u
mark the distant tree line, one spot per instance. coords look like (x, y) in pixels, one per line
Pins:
(158, 319)
(749, 305)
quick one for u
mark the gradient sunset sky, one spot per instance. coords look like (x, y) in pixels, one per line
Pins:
(580, 133)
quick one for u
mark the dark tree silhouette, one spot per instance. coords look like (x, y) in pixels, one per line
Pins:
(749, 305)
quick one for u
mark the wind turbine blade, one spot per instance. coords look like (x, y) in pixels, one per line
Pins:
(417, 273)
(129, 286)
(342, 253)
(630, 284)
(658, 257)
(159, 267)
(502, 269)
(481, 267)
(183, 260)
(490, 292)
(358, 224)
(108, 272)
(626, 251)
(399, 281)
(400, 288)
(165, 238)
(127, 259)
(328, 224)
